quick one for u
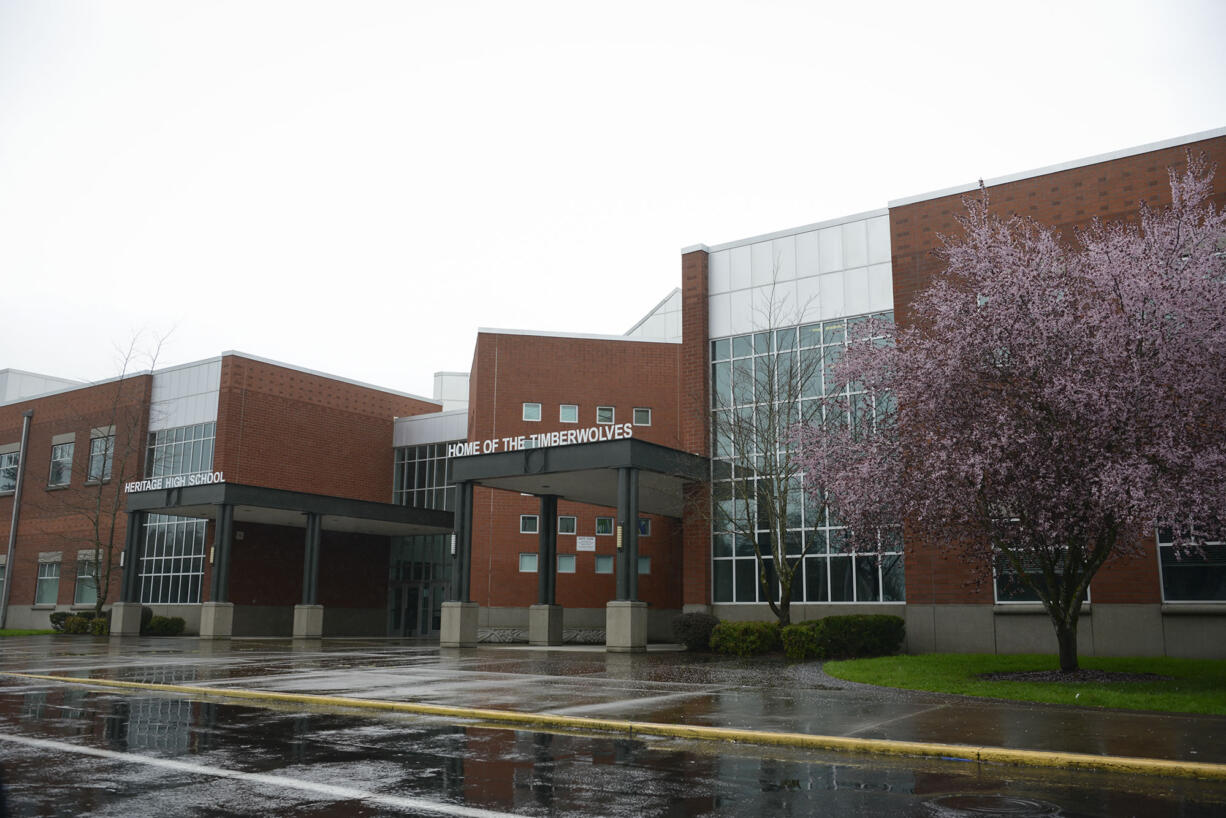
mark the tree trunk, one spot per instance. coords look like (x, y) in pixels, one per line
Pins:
(1066, 638)
(785, 610)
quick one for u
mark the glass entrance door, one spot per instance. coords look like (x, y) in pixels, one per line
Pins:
(417, 586)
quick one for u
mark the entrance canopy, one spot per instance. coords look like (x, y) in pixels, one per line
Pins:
(588, 473)
(255, 504)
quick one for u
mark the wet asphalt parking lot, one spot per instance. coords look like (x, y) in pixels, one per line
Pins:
(75, 750)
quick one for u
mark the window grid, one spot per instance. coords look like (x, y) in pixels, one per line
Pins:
(830, 573)
(181, 450)
(61, 465)
(101, 458)
(47, 588)
(8, 471)
(421, 477)
(172, 562)
(86, 590)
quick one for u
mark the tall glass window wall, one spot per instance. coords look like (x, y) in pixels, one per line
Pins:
(739, 367)
(172, 561)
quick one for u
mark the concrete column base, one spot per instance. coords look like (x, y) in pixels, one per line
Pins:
(308, 621)
(125, 619)
(545, 625)
(216, 620)
(459, 626)
(626, 627)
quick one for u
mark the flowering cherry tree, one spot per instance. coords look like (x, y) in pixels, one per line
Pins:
(1055, 400)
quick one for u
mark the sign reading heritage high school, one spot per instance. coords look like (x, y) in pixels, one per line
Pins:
(178, 481)
(565, 437)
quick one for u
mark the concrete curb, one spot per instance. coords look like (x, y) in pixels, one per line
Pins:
(948, 752)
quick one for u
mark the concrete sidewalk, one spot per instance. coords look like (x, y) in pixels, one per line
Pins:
(660, 686)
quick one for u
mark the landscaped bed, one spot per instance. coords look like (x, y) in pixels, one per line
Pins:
(1158, 683)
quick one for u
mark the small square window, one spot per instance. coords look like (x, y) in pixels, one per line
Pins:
(527, 563)
(604, 414)
(529, 524)
(568, 413)
(644, 527)
(566, 525)
(604, 525)
(642, 416)
(532, 411)
(566, 563)
(604, 564)
(644, 565)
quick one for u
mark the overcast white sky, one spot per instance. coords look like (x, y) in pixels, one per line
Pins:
(357, 186)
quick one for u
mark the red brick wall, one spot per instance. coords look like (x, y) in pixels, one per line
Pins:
(509, 370)
(696, 437)
(62, 519)
(1065, 200)
(283, 428)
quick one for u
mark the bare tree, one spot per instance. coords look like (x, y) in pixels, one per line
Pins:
(773, 385)
(116, 441)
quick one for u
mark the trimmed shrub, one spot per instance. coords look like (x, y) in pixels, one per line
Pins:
(146, 617)
(166, 625)
(76, 623)
(100, 626)
(57, 620)
(848, 637)
(745, 638)
(801, 641)
(694, 630)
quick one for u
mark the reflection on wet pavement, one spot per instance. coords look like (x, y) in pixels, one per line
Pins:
(163, 754)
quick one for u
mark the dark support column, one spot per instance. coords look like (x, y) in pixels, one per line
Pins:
(547, 551)
(465, 543)
(457, 529)
(631, 535)
(129, 590)
(222, 539)
(623, 514)
(310, 562)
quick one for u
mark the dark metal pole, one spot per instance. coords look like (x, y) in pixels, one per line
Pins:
(466, 545)
(623, 513)
(632, 535)
(222, 542)
(26, 416)
(310, 562)
(457, 537)
(129, 587)
(547, 549)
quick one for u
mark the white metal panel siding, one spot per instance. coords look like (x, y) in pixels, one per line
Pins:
(185, 395)
(436, 427)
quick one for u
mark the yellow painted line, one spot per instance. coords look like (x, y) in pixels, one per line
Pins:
(920, 749)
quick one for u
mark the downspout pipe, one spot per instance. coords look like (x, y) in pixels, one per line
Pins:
(26, 416)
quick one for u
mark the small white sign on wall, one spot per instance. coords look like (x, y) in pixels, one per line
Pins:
(585, 543)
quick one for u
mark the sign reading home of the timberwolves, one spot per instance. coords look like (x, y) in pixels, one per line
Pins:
(565, 437)
(177, 481)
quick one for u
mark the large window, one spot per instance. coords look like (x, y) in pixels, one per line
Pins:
(1192, 574)
(8, 471)
(1012, 586)
(61, 465)
(101, 457)
(181, 450)
(422, 477)
(47, 588)
(831, 573)
(172, 562)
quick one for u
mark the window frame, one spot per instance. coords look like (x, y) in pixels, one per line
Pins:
(64, 461)
(572, 559)
(603, 560)
(574, 524)
(53, 581)
(644, 527)
(9, 461)
(524, 414)
(575, 414)
(612, 527)
(644, 562)
(635, 417)
(84, 573)
(612, 415)
(104, 458)
(536, 524)
(526, 557)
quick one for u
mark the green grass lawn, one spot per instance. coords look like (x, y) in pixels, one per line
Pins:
(1196, 686)
(21, 632)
